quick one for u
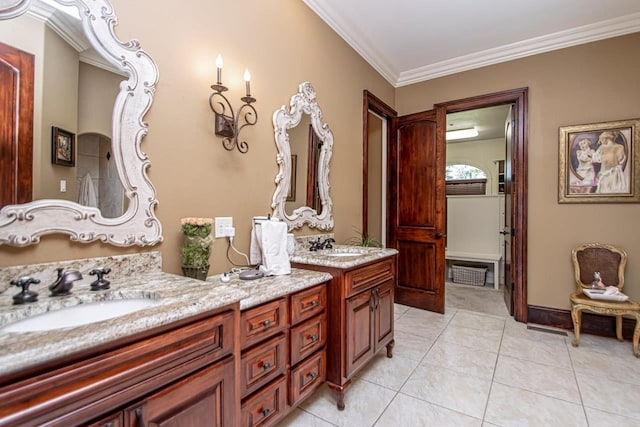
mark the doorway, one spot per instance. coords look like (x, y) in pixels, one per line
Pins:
(515, 177)
(474, 181)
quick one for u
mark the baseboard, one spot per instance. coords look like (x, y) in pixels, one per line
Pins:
(594, 324)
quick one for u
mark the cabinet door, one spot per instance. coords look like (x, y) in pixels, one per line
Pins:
(359, 335)
(384, 314)
(205, 398)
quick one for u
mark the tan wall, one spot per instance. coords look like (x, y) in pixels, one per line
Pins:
(374, 172)
(97, 92)
(591, 83)
(60, 109)
(283, 43)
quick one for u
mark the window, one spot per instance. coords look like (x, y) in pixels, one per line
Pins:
(465, 180)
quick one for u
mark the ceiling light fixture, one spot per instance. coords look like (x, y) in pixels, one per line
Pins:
(461, 134)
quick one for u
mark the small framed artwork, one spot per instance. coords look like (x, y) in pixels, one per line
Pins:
(599, 163)
(62, 147)
(291, 196)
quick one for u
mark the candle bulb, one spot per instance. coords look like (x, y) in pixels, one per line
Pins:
(219, 64)
(247, 81)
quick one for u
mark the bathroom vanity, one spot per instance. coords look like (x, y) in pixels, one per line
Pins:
(206, 353)
(360, 300)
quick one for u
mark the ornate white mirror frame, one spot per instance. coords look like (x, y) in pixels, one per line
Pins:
(22, 225)
(283, 119)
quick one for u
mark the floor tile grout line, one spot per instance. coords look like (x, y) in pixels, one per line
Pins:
(493, 377)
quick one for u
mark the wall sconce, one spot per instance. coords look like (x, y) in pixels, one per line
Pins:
(227, 124)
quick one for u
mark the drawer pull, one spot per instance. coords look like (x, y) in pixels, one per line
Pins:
(266, 365)
(313, 338)
(314, 303)
(265, 412)
(266, 323)
(313, 375)
(139, 419)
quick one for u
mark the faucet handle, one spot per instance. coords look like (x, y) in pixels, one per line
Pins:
(25, 296)
(100, 283)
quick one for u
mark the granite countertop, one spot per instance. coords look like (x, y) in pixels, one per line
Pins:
(177, 298)
(341, 256)
(269, 288)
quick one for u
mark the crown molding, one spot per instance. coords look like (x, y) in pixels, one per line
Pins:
(585, 34)
(357, 42)
(562, 39)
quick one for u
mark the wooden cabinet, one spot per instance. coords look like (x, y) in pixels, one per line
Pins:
(201, 399)
(283, 355)
(180, 374)
(360, 318)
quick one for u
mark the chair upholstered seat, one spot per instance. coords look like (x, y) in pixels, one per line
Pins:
(610, 263)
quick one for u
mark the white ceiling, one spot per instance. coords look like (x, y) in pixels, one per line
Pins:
(408, 41)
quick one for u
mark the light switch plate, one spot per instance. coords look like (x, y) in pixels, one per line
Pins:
(222, 224)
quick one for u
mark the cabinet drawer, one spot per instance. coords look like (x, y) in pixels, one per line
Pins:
(263, 363)
(266, 407)
(308, 337)
(264, 321)
(306, 304)
(306, 377)
(115, 420)
(368, 276)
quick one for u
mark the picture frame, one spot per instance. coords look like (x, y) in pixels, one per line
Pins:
(63, 147)
(291, 195)
(599, 162)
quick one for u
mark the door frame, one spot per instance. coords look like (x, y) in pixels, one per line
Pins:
(519, 99)
(372, 103)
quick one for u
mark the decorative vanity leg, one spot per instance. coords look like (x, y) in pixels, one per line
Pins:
(390, 348)
(576, 315)
(339, 391)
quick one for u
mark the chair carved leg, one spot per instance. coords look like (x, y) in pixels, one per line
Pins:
(619, 328)
(576, 316)
(636, 337)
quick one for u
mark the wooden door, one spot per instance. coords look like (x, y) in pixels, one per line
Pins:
(417, 208)
(359, 335)
(206, 398)
(16, 125)
(509, 280)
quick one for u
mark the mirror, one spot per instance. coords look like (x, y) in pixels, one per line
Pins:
(305, 146)
(22, 225)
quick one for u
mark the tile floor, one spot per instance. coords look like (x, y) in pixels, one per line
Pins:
(476, 366)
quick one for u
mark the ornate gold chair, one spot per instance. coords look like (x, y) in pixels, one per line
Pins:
(610, 262)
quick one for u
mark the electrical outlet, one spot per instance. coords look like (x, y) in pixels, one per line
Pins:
(223, 223)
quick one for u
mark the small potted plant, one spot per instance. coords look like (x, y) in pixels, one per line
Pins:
(196, 247)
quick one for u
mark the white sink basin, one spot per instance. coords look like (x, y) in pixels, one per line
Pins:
(79, 315)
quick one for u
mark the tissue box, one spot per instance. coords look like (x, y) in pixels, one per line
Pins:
(469, 275)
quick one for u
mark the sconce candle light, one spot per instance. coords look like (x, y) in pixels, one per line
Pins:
(227, 123)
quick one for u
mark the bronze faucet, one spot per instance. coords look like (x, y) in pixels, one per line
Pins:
(64, 282)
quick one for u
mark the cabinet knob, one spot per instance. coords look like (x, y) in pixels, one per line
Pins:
(266, 365)
(266, 323)
(313, 375)
(313, 338)
(265, 412)
(314, 303)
